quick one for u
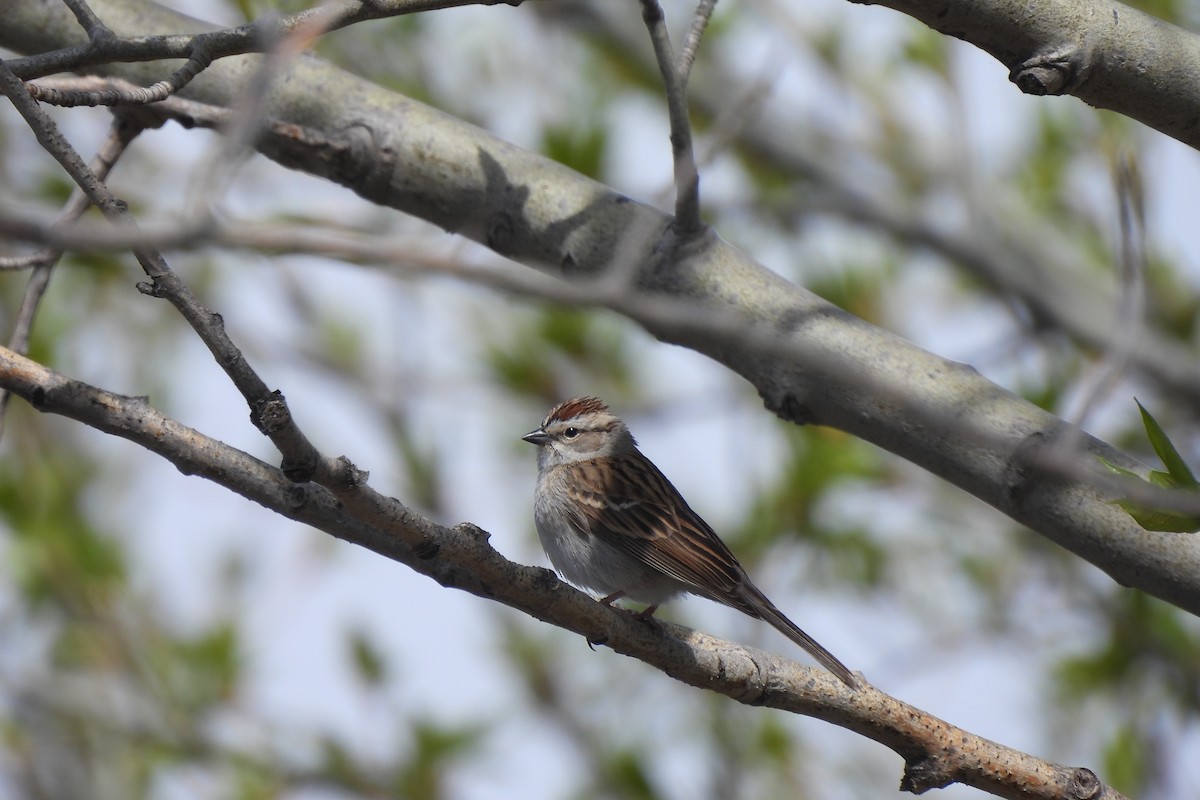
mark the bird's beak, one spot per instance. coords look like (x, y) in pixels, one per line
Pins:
(538, 437)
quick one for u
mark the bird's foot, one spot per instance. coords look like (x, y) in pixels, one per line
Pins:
(609, 599)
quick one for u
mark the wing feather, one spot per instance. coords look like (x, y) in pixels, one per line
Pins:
(634, 508)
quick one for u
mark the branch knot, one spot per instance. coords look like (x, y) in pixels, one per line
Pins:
(271, 414)
(1084, 785)
(1058, 71)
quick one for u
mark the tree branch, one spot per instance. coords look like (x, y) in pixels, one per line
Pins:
(1106, 53)
(197, 62)
(1024, 257)
(936, 753)
(105, 47)
(268, 409)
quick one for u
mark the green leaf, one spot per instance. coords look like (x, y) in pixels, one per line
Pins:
(1164, 521)
(203, 669)
(1127, 760)
(430, 757)
(1178, 470)
(369, 662)
(580, 147)
(1177, 476)
(928, 48)
(630, 776)
(1154, 519)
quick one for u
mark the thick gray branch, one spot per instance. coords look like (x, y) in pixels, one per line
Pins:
(1105, 53)
(810, 361)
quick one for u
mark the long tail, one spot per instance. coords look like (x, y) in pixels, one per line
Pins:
(756, 604)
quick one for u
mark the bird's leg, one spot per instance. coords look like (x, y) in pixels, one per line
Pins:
(647, 613)
(608, 600)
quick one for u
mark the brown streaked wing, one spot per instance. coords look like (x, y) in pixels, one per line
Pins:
(653, 523)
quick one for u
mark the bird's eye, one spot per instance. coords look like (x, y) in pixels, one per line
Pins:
(571, 433)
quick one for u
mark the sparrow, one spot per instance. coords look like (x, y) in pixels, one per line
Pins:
(610, 521)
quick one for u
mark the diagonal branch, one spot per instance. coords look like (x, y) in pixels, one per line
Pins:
(936, 753)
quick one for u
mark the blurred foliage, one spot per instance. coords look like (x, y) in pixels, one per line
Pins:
(423, 772)
(550, 352)
(926, 48)
(628, 775)
(1176, 306)
(1148, 665)
(1149, 647)
(122, 698)
(817, 461)
(580, 147)
(1180, 12)
(1127, 760)
(856, 287)
(55, 556)
(1044, 174)
(386, 52)
(370, 665)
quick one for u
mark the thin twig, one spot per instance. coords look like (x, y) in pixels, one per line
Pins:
(97, 31)
(687, 177)
(27, 261)
(253, 37)
(740, 113)
(1130, 316)
(199, 61)
(691, 45)
(114, 146)
(295, 35)
(268, 410)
